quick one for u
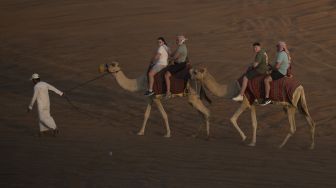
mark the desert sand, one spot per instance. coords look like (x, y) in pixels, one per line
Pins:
(65, 41)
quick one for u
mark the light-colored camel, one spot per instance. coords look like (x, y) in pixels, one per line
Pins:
(298, 102)
(140, 84)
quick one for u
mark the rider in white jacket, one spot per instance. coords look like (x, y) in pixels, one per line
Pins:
(41, 94)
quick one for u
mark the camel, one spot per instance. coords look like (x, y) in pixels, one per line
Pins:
(140, 84)
(298, 102)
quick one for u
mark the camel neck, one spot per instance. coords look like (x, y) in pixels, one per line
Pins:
(132, 85)
(214, 87)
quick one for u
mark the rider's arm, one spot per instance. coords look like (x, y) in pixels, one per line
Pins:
(257, 59)
(279, 61)
(255, 64)
(156, 57)
(176, 55)
(277, 65)
(36, 91)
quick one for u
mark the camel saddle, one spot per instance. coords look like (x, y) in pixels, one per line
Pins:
(282, 90)
(178, 81)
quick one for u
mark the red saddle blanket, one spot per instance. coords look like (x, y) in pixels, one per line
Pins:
(282, 90)
(178, 81)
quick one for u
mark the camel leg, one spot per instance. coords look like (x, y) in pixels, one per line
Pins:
(254, 125)
(312, 130)
(199, 128)
(308, 118)
(146, 116)
(291, 119)
(165, 117)
(236, 115)
(202, 109)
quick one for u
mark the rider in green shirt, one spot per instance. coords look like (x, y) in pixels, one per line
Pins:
(258, 67)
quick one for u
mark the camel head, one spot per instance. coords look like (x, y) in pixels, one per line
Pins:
(113, 67)
(198, 73)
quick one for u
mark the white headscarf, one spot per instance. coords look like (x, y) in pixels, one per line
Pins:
(283, 45)
(182, 39)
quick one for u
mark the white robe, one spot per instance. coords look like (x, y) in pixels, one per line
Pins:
(41, 94)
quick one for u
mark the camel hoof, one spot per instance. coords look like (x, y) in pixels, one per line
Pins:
(167, 136)
(140, 133)
(244, 138)
(195, 135)
(312, 146)
(251, 144)
(281, 146)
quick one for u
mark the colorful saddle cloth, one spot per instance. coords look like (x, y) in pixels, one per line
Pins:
(178, 81)
(282, 90)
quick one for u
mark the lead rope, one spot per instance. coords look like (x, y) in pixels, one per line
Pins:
(78, 109)
(87, 82)
(81, 85)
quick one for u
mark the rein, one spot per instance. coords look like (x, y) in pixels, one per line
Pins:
(81, 85)
(87, 82)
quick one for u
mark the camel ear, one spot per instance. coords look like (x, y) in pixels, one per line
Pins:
(202, 70)
(115, 64)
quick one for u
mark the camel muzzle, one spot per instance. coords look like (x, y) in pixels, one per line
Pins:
(102, 68)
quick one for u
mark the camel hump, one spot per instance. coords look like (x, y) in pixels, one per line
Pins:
(282, 90)
(178, 81)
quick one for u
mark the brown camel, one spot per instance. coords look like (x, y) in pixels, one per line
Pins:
(140, 84)
(298, 102)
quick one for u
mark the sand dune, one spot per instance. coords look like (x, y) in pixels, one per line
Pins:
(65, 41)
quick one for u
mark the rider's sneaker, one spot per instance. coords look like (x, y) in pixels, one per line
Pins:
(149, 93)
(265, 102)
(238, 98)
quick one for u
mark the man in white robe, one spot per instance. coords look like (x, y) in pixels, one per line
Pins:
(41, 94)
